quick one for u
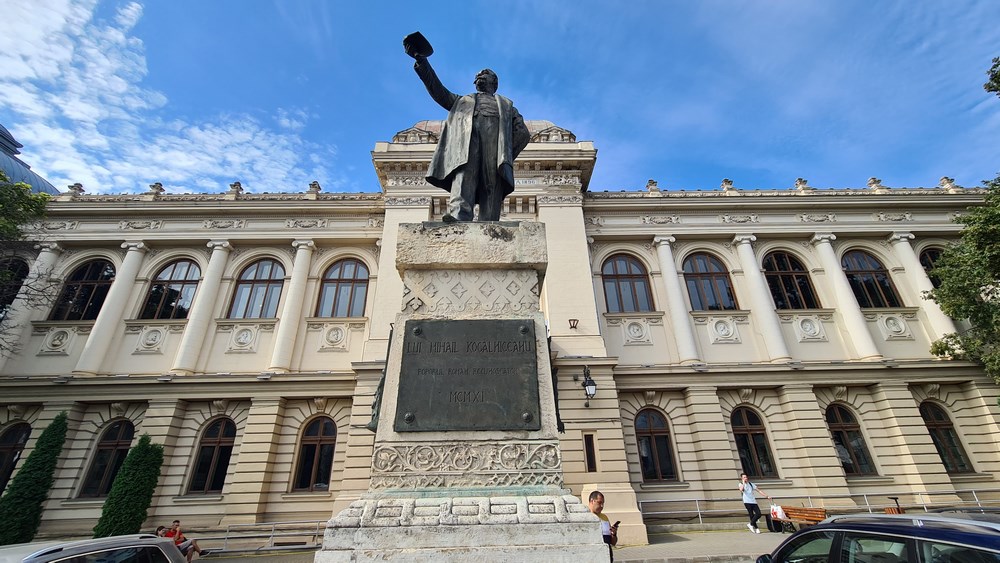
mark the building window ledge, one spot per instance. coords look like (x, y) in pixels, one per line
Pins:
(665, 486)
(968, 477)
(198, 499)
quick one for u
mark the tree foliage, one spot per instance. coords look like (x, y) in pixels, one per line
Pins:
(18, 206)
(132, 492)
(21, 507)
(969, 288)
(993, 84)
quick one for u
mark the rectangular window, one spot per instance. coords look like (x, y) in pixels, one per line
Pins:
(589, 454)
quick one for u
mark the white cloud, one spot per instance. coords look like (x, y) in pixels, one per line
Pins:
(74, 87)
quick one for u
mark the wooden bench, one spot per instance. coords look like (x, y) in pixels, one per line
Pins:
(800, 515)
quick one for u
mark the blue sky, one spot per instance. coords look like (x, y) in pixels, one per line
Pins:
(200, 93)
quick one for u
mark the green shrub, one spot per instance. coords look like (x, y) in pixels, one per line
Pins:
(21, 507)
(132, 492)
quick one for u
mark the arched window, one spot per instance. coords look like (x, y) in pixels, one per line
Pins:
(258, 291)
(13, 271)
(12, 443)
(789, 282)
(626, 285)
(928, 258)
(214, 451)
(848, 441)
(84, 292)
(111, 451)
(751, 443)
(171, 293)
(870, 280)
(656, 455)
(344, 290)
(945, 439)
(316, 455)
(708, 284)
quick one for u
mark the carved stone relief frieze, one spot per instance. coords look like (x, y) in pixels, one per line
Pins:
(466, 464)
(138, 225)
(808, 328)
(818, 217)
(895, 217)
(305, 223)
(224, 223)
(751, 218)
(660, 219)
(572, 199)
(406, 201)
(406, 180)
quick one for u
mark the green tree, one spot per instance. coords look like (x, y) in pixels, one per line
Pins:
(993, 84)
(132, 492)
(21, 507)
(18, 206)
(969, 285)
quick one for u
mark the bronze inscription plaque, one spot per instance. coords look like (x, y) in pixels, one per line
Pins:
(468, 375)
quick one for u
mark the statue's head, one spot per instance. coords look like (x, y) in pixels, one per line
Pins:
(486, 81)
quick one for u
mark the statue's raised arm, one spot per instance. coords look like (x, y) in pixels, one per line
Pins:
(484, 132)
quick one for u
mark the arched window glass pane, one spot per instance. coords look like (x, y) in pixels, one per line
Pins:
(172, 291)
(751, 444)
(258, 291)
(214, 452)
(789, 282)
(869, 280)
(945, 439)
(928, 258)
(708, 284)
(626, 285)
(344, 290)
(12, 442)
(849, 441)
(84, 292)
(111, 452)
(315, 460)
(13, 272)
(656, 455)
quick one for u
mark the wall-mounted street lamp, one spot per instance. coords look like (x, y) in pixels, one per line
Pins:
(589, 386)
(573, 323)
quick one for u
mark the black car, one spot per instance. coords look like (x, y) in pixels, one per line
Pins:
(885, 538)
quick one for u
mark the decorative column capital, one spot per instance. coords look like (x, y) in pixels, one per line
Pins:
(744, 239)
(135, 246)
(663, 239)
(53, 247)
(219, 245)
(303, 244)
(819, 238)
(901, 237)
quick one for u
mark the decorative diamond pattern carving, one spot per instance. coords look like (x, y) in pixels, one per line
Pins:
(451, 291)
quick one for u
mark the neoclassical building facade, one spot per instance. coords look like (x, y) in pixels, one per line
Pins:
(781, 333)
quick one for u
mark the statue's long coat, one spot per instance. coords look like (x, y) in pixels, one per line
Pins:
(453, 147)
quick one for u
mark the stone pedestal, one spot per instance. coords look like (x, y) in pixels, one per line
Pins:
(466, 463)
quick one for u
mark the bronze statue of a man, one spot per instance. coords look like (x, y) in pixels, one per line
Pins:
(482, 136)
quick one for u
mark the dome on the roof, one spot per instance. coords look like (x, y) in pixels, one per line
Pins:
(15, 169)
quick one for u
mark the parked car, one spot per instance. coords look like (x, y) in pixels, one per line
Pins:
(141, 548)
(891, 538)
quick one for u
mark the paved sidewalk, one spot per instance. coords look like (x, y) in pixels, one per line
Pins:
(678, 547)
(718, 546)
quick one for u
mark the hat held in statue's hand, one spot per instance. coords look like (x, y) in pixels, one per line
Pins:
(416, 45)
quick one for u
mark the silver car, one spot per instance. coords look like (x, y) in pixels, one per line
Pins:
(140, 548)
